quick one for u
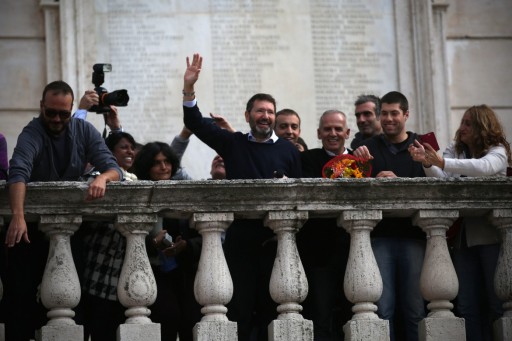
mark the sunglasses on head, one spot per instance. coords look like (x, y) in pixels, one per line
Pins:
(51, 113)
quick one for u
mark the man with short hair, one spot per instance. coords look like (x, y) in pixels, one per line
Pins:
(333, 132)
(288, 127)
(322, 245)
(218, 171)
(367, 112)
(260, 154)
(398, 245)
(52, 147)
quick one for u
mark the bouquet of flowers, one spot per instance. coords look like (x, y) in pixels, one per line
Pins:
(347, 166)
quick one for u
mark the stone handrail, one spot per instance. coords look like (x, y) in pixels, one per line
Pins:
(284, 205)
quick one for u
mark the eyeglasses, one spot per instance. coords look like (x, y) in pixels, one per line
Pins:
(51, 113)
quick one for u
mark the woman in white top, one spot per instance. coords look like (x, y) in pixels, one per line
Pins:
(480, 148)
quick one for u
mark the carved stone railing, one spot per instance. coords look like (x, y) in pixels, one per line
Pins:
(284, 205)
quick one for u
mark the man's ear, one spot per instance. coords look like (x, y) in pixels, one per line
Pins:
(318, 134)
(247, 116)
(406, 114)
(348, 133)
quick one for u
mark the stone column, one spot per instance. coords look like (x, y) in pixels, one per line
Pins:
(60, 287)
(440, 118)
(52, 41)
(213, 287)
(502, 219)
(136, 289)
(363, 283)
(288, 282)
(68, 35)
(439, 283)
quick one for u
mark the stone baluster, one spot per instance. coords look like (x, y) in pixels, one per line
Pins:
(502, 219)
(438, 282)
(288, 282)
(363, 282)
(213, 287)
(136, 289)
(60, 287)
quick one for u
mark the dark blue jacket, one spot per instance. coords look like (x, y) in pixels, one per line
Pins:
(244, 159)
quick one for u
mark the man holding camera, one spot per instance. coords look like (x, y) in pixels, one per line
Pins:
(89, 100)
(52, 147)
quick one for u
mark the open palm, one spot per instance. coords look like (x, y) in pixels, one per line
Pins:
(193, 69)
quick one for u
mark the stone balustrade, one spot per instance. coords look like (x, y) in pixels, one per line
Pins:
(284, 205)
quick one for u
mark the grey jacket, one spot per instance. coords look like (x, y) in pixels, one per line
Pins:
(32, 159)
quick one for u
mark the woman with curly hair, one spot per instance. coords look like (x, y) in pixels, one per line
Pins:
(122, 145)
(480, 148)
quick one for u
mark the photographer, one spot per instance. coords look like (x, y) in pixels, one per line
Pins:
(179, 143)
(91, 99)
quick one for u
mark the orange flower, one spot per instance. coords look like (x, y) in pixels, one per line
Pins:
(346, 166)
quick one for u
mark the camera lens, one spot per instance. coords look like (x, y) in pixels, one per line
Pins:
(118, 98)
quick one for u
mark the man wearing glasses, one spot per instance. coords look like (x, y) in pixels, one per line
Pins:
(52, 147)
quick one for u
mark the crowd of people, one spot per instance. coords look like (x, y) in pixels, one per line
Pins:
(59, 146)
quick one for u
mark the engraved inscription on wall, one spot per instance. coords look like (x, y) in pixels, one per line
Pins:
(349, 59)
(311, 55)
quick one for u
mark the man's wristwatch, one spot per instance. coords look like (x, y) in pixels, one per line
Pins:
(119, 130)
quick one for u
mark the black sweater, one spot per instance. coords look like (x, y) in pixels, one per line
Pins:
(395, 158)
(244, 159)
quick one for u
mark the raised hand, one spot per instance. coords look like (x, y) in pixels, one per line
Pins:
(417, 151)
(222, 122)
(425, 154)
(113, 121)
(192, 73)
(89, 99)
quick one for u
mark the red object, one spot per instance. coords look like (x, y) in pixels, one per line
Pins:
(454, 230)
(363, 165)
(430, 138)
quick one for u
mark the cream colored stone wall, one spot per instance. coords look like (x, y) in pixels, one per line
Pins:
(22, 65)
(479, 52)
(478, 49)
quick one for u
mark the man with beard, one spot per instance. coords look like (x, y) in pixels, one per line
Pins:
(260, 154)
(399, 247)
(367, 113)
(52, 147)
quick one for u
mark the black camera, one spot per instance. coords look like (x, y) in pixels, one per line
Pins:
(106, 99)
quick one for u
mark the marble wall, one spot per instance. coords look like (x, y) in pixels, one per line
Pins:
(311, 55)
(479, 48)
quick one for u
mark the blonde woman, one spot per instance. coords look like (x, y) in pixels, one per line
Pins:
(480, 148)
